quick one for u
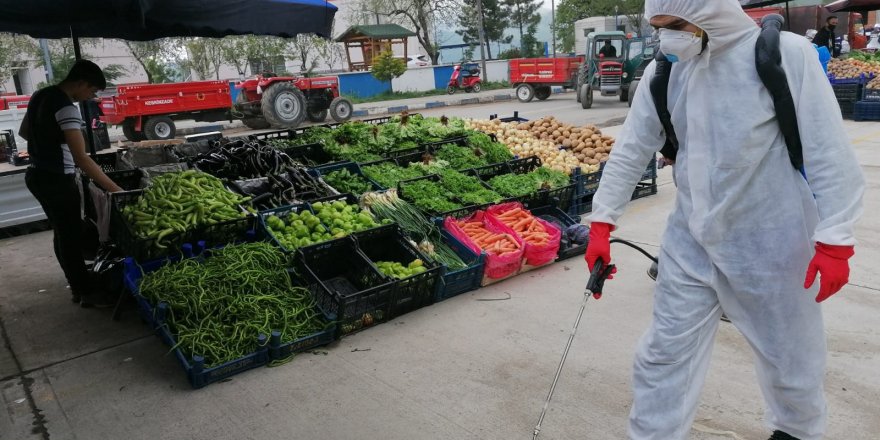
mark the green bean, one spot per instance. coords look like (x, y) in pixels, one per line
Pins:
(218, 305)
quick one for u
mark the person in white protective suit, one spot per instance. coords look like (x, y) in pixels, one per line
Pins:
(748, 233)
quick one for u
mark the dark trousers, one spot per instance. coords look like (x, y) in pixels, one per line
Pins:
(59, 197)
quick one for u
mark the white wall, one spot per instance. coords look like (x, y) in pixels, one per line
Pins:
(415, 79)
(497, 71)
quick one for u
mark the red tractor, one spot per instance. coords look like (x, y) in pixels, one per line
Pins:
(283, 102)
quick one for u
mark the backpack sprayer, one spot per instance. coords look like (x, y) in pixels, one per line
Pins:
(598, 275)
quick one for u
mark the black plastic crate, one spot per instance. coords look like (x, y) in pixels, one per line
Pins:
(489, 171)
(644, 189)
(410, 155)
(345, 284)
(871, 95)
(280, 212)
(461, 141)
(311, 155)
(401, 192)
(142, 249)
(867, 111)
(514, 118)
(128, 180)
(581, 205)
(456, 282)
(388, 243)
(847, 92)
(562, 220)
(143, 157)
(353, 168)
(586, 183)
(651, 172)
(847, 108)
(107, 161)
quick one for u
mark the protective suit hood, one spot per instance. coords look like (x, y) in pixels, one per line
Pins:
(723, 20)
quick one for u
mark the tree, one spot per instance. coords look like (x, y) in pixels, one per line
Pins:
(13, 50)
(570, 11)
(634, 10)
(386, 67)
(205, 56)
(152, 56)
(495, 22)
(305, 49)
(61, 57)
(530, 44)
(421, 16)
(523, 15)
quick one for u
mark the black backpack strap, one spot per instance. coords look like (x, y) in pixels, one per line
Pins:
(768, 60)
(659, 91)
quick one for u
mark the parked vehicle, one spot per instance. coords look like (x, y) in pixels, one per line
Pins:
(648, 52)
(417, 61)
(283, 102)
(534, 77)
(148, 111)
(465, 76)
(612, 74)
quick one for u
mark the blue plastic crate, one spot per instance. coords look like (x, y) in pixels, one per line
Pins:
(456, 282)
(196, 372)
(861, 79)
(867, 111)
(581, 205)
(871, 95)
(585, 183)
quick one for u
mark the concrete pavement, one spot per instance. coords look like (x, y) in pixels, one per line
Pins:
(477, 366)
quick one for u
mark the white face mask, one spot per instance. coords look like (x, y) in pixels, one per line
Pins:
(680, 45)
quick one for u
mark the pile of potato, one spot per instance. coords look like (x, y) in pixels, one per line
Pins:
(874, 84)
(587, 143)
(525, 143)
(851, 68)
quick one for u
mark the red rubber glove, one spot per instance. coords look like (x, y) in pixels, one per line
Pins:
(599, 246)
(831, 262)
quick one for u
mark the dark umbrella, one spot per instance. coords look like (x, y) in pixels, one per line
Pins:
(853, 6)
(142, 20)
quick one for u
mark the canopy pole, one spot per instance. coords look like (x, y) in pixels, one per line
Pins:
(787, 17)
(77, 51)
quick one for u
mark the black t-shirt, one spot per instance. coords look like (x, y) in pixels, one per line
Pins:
(49, 113)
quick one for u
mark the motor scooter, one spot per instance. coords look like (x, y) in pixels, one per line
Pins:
(465, 77)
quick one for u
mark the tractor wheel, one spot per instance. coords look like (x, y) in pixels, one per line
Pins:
(525, 92)
(341, 109)
(542, 93)
(317, 116)
(159, 128)
(623, 95)
(283, 105)
(255, 123)
(632, 92)
(130, 133)
(477, 87)
(586, 94)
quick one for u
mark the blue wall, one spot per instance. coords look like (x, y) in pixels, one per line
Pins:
(441, 76)
(362, 85)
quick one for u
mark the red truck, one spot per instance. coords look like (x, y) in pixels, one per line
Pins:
(8, 102)
(148, 111)
(533, 77)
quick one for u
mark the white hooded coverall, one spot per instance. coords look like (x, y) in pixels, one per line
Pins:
(742, 230)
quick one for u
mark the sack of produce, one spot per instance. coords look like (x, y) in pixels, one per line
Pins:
(503, 249)
(541, 237)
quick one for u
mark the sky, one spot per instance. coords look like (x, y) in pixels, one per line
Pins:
(448, 36)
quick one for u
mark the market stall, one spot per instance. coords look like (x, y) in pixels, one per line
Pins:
(359, 222)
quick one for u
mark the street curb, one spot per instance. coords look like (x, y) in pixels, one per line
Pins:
(378, 111)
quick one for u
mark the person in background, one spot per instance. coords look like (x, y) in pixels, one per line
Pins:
(825, 37)
(52, 127)
(608, 50)
(748, 234)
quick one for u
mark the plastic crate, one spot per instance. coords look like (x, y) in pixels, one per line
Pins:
(514, 118)
(554, 215)
(346, 284)
(107, 161)
(128, 180)
(847, 91)
(489, 171)
(401, 192)
(352, 168)
(143, 157)
(867, 111)
(142, 249)
(651, 172)
(861, 79)
(871, 95)
(456, 282)
(197, 374)
(280, 212)
(389, 244)
(311, 155)
(644, 189)
(581, 205)
(461, 141)
(847, 108)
